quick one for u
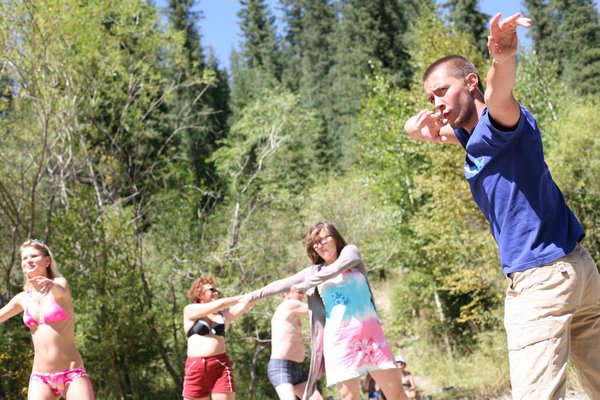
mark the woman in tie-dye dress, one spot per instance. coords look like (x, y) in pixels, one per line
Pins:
(347, 339)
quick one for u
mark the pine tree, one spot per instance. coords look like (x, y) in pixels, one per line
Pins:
(580, 29)
(370, 33)
(545, 31)
(568, 32)
(309, 52)
(202, 111)
(185, 20)
(257, 66)
(293, 16)
(259, 48)
(319, 23)
(466, 17)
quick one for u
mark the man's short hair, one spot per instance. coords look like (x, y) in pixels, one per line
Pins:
(457, 66)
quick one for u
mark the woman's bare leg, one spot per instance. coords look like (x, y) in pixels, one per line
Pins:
(223, 396)
(350, 389)
(390, 382)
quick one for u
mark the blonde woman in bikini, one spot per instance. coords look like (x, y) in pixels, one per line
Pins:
(47, 309)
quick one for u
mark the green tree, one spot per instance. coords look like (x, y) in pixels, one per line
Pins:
(568, 31)
(574, 164)
(446, 286)
(466, 17)
(369, 33)
(291, 46)
(580, 27)
(309, 55)
(257, 66)
(545, 32)
(203, 117)
(85, 152)
(269, 150)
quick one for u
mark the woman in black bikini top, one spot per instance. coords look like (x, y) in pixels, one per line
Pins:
(208, 368)
(202, 327)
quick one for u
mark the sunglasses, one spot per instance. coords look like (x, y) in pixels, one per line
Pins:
(213, 290)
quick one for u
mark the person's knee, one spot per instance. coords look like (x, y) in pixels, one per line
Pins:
(285, 391)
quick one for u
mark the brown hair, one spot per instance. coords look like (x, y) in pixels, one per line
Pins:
(197, 288)
(457, 66)
(312, 235)
(51, 271)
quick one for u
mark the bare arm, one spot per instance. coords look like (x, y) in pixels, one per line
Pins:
(278, 286)
(297, 307)
(58, 286)
(194, 311)
(349, 257)
(237, 310)
(11, 309)
(426, 125)
(411, 381)
(503, 108)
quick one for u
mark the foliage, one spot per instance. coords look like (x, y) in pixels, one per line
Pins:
(310, 44)
(448, 285)
(203, 119)
(368, 33)
(119, 149)
(257, 66)
(89, 81)
(481, 374)
(568, 32)
(574, 164)
(465, 17)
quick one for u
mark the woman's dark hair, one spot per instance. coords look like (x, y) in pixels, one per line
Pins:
(312, 235)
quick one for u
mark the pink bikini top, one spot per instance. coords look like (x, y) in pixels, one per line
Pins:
(52, 313)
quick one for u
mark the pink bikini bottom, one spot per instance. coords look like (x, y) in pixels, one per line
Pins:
(58, 381)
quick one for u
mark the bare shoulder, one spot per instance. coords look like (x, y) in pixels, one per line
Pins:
(62, 282)
(63, 292)
(20, 298)
(14, 306)
(297, 307)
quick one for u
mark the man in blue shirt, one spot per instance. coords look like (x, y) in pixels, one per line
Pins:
(552, 307)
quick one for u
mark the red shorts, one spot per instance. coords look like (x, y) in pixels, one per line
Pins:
(205, 375)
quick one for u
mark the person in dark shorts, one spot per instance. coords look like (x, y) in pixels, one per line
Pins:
(285, 371)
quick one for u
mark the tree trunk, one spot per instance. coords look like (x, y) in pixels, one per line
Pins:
(440, 310)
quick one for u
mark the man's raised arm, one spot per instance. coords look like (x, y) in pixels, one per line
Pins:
(502, 46)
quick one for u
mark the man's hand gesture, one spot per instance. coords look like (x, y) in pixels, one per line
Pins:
(502, 41)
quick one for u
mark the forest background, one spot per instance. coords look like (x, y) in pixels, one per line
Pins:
(144, 164)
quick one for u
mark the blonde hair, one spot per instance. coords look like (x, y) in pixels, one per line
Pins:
(51, 271)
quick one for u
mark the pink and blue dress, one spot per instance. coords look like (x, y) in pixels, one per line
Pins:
(353, 341)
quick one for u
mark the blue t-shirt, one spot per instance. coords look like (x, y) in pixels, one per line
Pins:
(514, 190)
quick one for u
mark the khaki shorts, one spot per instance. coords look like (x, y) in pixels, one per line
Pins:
(552, 313)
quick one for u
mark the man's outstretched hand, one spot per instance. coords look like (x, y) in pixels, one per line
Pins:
(502, 41)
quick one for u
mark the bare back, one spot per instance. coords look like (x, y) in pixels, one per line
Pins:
(286, 330)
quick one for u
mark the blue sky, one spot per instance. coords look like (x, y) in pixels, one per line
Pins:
(219, 27)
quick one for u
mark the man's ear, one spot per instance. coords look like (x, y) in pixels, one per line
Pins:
(472, 81)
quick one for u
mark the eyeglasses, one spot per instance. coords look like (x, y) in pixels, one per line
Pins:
(321, 241)
(213, 290)
(38, 241)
